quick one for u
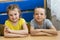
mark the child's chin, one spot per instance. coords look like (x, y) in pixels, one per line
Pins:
(39, 20)
(14, 21)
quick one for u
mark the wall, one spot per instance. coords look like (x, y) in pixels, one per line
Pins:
(55, 8)
(54, 5)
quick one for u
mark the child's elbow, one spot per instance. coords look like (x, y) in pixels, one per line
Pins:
(26, 31)
(55, 33)
(5, 35)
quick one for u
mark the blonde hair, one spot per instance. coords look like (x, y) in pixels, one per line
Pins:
(40, 8)
(12, 7)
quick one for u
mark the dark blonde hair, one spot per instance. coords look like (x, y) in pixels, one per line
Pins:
(12, 7)
(41, 8)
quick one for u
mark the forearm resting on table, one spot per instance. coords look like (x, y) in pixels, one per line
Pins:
(50, 31)
(35, 31)
(43, 32)
(13, 35)
(40, 34)
(24, 32)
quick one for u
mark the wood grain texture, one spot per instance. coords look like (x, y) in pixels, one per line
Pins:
(34, 37)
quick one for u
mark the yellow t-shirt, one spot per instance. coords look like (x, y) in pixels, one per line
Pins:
(9, 24)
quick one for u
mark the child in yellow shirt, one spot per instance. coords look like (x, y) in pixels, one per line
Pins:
(15, 26)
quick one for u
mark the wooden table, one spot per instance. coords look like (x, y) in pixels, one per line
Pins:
(34, 37)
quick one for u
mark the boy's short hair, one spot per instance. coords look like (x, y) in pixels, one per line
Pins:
(12, 7)
(41, 8)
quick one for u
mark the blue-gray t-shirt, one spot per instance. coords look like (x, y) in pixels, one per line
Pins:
(46, 24)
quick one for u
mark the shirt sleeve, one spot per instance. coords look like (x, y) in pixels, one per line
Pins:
(6, 23)
(32, 23)
(23, 21)
(49, 23)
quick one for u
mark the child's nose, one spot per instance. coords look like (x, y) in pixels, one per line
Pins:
(13, 16)
(39, 15)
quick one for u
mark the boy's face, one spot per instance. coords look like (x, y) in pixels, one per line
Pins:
(13, 15)
(39, 14)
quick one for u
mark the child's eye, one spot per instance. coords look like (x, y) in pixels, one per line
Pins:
(10, 15)
(15, 14)
(41, 13)
(36, 13)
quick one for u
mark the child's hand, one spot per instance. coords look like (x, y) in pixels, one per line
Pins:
(8, 30)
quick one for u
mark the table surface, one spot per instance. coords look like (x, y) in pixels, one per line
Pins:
(34, 37)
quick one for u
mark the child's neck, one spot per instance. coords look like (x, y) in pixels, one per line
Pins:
(14, 23)
(40, 23)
